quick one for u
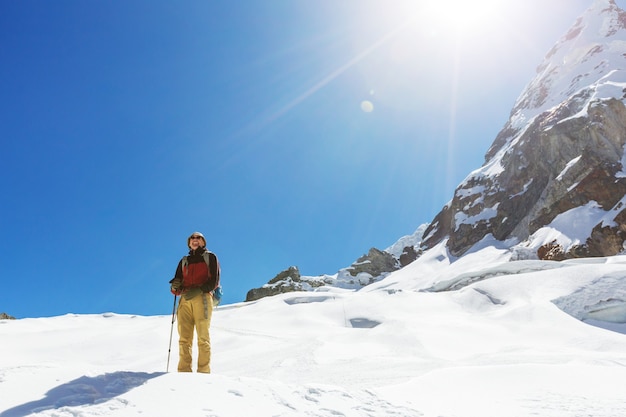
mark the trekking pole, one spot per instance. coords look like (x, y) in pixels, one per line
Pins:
(169, 350)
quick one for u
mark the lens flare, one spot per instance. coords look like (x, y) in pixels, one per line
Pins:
(367, 106)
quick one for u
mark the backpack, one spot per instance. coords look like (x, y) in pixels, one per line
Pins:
(217, 292)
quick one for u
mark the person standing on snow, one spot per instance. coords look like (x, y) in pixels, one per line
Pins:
(196, 277)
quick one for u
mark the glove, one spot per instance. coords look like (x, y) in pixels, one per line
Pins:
(177, 284)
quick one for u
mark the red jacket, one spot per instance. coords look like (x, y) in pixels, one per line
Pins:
(195, 273)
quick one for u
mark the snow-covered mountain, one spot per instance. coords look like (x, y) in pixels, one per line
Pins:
(561, 150)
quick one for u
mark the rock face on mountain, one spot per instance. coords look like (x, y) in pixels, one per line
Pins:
(562, 151)
(286, 281)
(374, 264)
(5, 316)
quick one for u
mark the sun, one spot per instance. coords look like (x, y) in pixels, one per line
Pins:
(452, 17)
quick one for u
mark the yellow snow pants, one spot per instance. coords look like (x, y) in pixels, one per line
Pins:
(194, 311)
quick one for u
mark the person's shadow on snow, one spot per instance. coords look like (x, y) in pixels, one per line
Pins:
(83, 391)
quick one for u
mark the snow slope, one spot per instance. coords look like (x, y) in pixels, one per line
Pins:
(508, 341)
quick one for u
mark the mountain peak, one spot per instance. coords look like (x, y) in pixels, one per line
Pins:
(591, 53)
(611, 15)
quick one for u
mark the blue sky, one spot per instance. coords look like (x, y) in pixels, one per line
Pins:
(127, 125)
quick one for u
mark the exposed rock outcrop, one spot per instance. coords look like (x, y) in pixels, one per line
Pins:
(409, 254)
(374, 264)
(286, 281)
